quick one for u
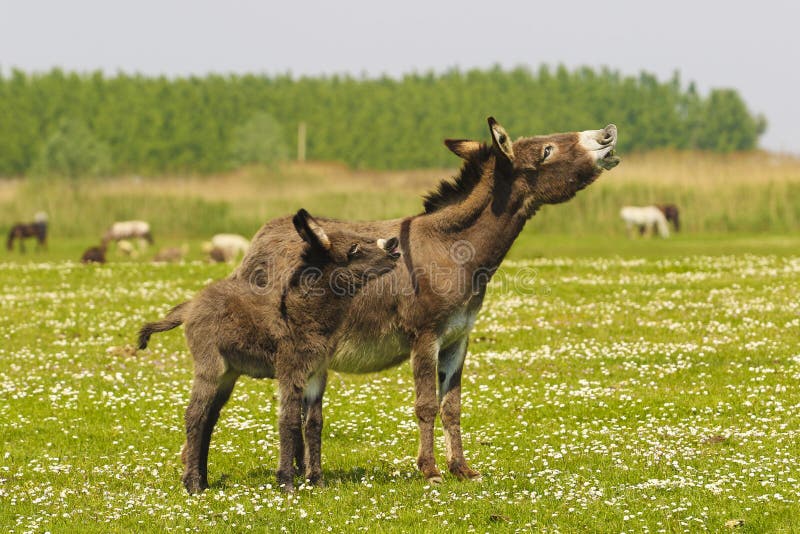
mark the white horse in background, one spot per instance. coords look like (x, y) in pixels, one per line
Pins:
(644, 219)
(227, 246)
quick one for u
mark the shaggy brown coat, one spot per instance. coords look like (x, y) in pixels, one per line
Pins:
(426, 308)
(240, 327)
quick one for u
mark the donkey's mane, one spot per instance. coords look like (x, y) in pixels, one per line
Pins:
(453, 190)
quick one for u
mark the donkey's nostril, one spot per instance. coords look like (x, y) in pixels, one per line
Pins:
(390, 244)
(609, 134)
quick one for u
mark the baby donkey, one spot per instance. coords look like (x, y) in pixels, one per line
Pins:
(235, 328)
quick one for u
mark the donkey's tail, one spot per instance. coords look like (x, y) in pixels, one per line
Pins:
(173, 319)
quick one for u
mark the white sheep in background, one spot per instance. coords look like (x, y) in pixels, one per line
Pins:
(126, 248)
(229, 246)
(139, 230)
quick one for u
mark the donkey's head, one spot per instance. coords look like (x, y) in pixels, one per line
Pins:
(551, 168)
(350, 258)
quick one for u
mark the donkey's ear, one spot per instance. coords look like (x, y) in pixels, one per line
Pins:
(310, 231)
(463, 148)
(501, 142)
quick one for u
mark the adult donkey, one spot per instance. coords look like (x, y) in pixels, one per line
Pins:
(426, 308)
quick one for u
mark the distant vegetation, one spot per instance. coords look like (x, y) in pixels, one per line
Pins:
(72, 152)
(738, 193)
(160, 125)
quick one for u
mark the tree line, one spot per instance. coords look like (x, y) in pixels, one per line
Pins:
(136, 123)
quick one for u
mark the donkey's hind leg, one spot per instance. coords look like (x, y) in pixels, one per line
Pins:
(289, 429)
(451, 364)
(209, 394)
(424, 355)
(312, 401)
(223, 394)
(299, 443)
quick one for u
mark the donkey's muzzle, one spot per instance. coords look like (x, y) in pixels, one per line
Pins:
(609, 135)
(600, 145)
(391, 246)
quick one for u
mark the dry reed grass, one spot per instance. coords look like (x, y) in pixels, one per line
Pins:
(746, 192)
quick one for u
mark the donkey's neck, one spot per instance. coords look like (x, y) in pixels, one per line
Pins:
(484, 225)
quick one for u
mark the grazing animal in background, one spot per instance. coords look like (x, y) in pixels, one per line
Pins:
(22, 231)
(126, 248)
(171, 254)
(231, 245)
(671, 213)
(450, 253)
(644, 219)
(215, 254)
(139, 230)
(234, 328)
(95, 254)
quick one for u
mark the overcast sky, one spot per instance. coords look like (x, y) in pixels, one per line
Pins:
(751, 46)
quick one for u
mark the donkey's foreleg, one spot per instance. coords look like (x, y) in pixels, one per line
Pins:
(289, 429)
(424, 355)
(451, 364)
(312, 400)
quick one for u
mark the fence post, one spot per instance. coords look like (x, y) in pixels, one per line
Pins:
(301, 142)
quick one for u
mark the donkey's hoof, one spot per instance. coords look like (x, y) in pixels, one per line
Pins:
(195, 485)
(285, 481)
(464, 472)
(434, 480)
(430, 472)
(316, 480)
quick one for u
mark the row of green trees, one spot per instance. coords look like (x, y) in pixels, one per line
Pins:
(134, 123)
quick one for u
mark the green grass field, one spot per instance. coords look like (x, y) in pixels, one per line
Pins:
(612, 386)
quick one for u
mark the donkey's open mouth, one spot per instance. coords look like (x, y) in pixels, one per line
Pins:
(608, 158)
(609, 161)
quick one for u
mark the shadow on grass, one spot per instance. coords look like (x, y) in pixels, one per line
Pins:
(331, 477)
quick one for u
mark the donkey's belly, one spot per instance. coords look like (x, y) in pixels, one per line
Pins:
(253, 365)
(366, 354)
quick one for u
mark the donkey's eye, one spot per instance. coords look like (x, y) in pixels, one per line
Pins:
(354, 250)
(547, 151)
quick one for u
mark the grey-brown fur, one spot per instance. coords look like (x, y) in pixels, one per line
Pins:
(174, 319)
(240, 327)
(424, 310)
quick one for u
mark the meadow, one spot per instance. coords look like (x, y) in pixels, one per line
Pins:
(613, 385)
